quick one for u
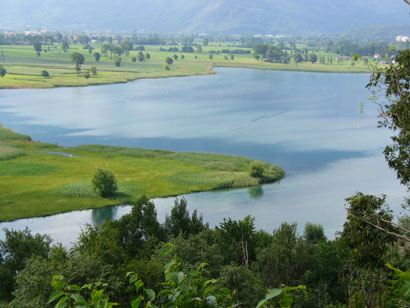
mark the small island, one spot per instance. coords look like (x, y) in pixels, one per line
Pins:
(41, 179)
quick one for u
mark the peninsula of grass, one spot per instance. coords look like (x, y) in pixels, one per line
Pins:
(39, 179)
(24, 67)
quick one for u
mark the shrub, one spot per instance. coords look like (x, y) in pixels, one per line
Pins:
(104, 183)
(134, 59)
(257, 170)
(44, 73)
(117, 61)
(93, 70)
(3, 71)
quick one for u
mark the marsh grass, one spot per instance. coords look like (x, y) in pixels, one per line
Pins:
(37, 184)
(111, 151)
(213, 180)
(84, 189)
(21, 168)
(9, 152)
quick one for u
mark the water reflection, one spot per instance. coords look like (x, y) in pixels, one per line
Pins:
(255, 192)
(101, 215)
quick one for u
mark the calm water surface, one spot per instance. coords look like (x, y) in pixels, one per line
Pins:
(308, 123)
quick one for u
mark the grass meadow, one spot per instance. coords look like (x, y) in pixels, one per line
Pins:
(24, 66)
(37, 182)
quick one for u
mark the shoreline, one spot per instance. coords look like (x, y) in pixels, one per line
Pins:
(210, 71)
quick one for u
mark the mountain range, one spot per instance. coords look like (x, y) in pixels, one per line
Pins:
(288, 17)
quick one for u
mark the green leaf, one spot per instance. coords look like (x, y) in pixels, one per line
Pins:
(138, 285)
(136, 302)
(180, 277)
(62, 303)
(169, 264)
(73, 287)
(150, 294)
(79, 299)
(270, 294)
(57, 285)
(54, 296)
(165, 292)
(208, 290)
(286, 301)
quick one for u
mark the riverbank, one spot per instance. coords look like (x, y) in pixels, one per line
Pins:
(25, 68)
(40, 179)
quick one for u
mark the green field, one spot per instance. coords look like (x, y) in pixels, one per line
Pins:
(36, 179)
(24, 66)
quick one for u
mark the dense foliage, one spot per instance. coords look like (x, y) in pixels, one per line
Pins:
(239, 258)
(395, 112)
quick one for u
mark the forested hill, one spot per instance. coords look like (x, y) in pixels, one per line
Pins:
(210, 16)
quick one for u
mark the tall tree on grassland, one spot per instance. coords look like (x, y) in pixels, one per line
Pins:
(78, 59)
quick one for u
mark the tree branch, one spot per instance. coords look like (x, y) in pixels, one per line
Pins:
(407, 239)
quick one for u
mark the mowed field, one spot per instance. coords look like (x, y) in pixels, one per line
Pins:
(39, 179)
(24, 66)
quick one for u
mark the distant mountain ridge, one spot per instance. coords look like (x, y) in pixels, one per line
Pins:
(297, 17)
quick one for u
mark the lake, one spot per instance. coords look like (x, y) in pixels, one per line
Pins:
(310, 124)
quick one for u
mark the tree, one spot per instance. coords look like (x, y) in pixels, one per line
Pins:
(15, 250)
(280, 262)
(312, 58)
(117, 61)
(104, 183)
(127, 46)
(65, 46)
(180, 222)
(78, 59)
(169, 61)
(97, 56)
(44, 73)
(314, 234)
(105, 48)
(147, 56)
(298, 58)
(93, 70)
(87, 74)
(134, 59)
(37, 47)
(248, 287)
(141, 57)
(394, 81)
(3, 71)
(238, 240)
(175, 57)
(366, 274)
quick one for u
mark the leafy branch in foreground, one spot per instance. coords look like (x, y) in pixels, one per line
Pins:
(394, 81)
(75, 296)
(180, 289)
